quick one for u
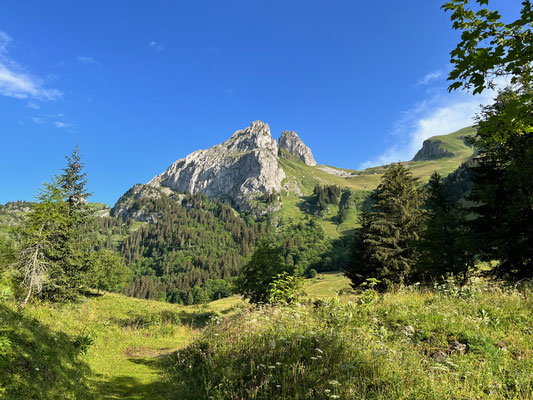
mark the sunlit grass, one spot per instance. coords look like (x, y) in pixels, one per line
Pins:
(449, 343)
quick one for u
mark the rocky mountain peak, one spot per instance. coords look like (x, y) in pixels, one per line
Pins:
(257, 135)
(240, 169)
(291, 142)
(431, 150)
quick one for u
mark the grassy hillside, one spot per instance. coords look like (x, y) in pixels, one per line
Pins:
(301, 179)
(104, 348)
(107, 347)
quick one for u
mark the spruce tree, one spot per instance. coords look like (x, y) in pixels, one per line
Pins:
(503, 188)
(382, 247)
(444, 245)
(71, 250)
(502, 196)
(41, 230)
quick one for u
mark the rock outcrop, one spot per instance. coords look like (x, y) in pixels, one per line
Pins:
(129, 206)
(240, 169)
(293, 144)
(431, 150)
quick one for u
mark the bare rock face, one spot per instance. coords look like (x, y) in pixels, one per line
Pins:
(431, 150)
(293, 144)
(244, 166)
(126, 206)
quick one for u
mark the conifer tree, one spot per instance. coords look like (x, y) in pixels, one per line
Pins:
(444, 245)
(42, 228)
(502, 196)
(503, 188)
(383, 246)
(70, 253)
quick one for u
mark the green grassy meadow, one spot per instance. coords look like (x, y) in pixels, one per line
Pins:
(445, 343)
(126, 338)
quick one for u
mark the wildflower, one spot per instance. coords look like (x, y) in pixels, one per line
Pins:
(334, 383)
(320, 351)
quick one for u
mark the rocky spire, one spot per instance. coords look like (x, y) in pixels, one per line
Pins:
(242, 167)
(293, 144)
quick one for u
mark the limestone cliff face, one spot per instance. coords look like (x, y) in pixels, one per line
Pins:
(293, 144)
(239, 169)
(431, 150)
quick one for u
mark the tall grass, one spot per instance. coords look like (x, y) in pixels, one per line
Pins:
(448, 343)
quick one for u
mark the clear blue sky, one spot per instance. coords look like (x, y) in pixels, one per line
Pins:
(140, 84)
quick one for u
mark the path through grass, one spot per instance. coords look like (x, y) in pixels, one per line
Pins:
(109, 346)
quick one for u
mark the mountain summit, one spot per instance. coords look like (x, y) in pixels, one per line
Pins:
(293, 144)
(259, 175)
(239, 169)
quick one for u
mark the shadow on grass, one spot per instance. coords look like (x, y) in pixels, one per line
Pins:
(195, 319)
(37, 363)
(128, 387)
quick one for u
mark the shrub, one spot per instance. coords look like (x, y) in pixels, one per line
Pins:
(286, 289)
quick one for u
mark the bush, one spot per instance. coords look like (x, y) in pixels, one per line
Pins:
(257, 276)
(286, 289)
(312, 273)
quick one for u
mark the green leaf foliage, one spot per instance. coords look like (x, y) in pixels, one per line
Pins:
(108, 272)
(489, 48)
(260, 272)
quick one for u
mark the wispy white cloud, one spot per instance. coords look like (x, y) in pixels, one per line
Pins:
(54, 120)
(17, 82)
(439, 114)
(430, 77)
(4, 41)
(64, 125)
(60, 124)
(85, 60)
(33, 105)
(88, 61)
(157, 47)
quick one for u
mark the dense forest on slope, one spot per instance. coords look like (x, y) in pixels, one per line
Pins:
(194, 240)
(197, 247)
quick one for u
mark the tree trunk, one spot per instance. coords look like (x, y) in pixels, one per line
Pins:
(32, 276)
